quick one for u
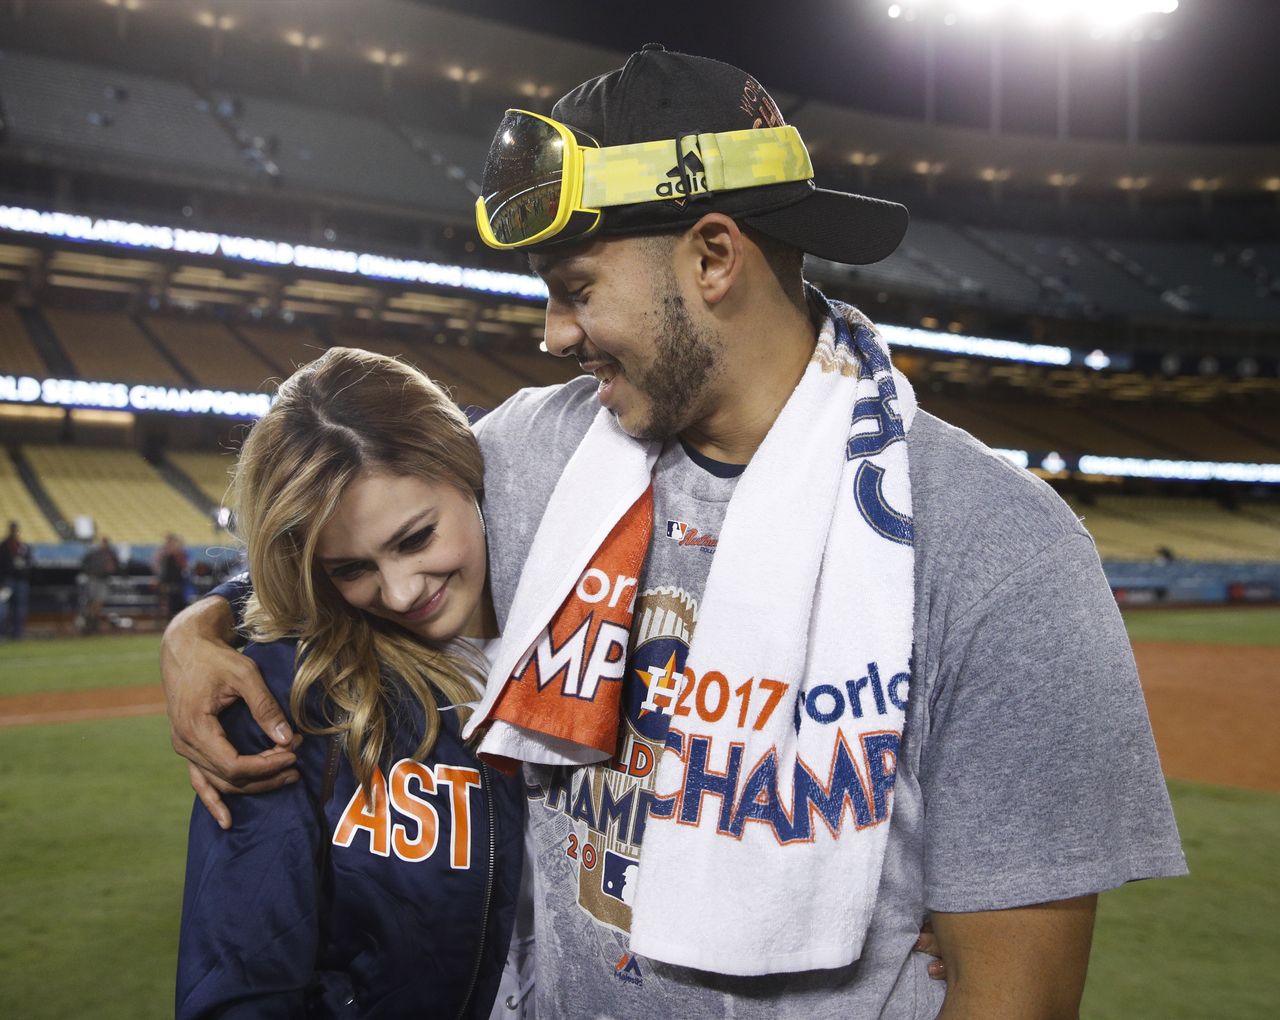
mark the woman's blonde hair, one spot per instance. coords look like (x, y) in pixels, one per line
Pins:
(347, 412)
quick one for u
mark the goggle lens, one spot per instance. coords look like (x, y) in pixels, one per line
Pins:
(522, 178)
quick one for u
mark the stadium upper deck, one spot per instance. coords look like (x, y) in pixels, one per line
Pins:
(1096, 332)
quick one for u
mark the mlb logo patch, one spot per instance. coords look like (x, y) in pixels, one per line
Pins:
(676, 530)
(619, 876)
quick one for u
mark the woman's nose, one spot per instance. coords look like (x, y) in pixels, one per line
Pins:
(402, 588)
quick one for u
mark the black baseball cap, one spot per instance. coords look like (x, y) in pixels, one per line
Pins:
(661, 94)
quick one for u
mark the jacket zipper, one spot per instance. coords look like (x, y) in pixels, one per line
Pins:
(488, 889)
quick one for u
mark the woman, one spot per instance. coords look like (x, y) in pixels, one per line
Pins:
(384, 882)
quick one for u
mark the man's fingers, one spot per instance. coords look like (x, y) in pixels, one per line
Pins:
(265, 710)
(209, 797)
(249, 786)
(927, 943)
(237, 770)
(209, 788)
(285, 778)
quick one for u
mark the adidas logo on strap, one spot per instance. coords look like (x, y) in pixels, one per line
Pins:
(688, 177)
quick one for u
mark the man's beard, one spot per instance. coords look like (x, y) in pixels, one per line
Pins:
(686, 356)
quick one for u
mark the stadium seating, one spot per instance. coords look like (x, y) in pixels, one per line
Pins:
(211, 354)
(1198, 433)
(112, 113)
(109, 346)
(392, 347)
(211, 472)
(339, 153)
(979, 420)
(1128, 527)
(281, 346)
(16, 504)
(18, 355)
(1077, 275)
(126, 496)
(1204, 278)
(453, 369)
(536, 368)
(999, 283)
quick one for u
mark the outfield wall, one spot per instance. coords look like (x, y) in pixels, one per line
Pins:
(1179, 582)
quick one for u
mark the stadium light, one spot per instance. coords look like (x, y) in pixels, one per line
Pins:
(1102, 14)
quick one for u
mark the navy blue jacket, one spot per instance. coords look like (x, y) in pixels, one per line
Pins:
(409, 910)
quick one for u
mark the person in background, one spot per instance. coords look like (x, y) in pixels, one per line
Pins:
(15, 581)
(99, 565)
(170, 566)
(383, 883)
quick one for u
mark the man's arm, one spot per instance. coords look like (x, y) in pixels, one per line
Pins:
(1026, 963)
(202, 674)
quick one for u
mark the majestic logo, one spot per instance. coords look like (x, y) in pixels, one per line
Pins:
(628, 970)
(688, 177)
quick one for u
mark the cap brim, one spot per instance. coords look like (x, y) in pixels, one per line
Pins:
(838, 226)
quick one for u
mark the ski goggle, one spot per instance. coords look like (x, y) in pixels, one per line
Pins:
(544, 180)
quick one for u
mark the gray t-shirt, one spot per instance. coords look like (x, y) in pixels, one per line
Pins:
(1026, 772)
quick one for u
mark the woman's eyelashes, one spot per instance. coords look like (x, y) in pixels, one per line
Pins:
(409, 544)
(349, 571)
(416, 541)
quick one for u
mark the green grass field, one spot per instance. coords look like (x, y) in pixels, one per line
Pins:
(93, 834)
(76, 664)
(1257, 626)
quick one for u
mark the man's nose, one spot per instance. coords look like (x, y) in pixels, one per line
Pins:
(563, 335)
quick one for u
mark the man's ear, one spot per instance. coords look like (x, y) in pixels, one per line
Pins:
(718, 245)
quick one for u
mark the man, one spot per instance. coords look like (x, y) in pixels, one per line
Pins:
(1023, 775)
(99, 565)
(15, 581)
(170, 566)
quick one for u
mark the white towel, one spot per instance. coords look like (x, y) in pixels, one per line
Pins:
(766, 839)
(531, 717)
(812, 585)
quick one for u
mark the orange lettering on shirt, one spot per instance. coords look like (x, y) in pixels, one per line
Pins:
(460, 781)
(423, 844)
(371, 816)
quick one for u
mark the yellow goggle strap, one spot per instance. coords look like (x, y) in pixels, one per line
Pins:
(648, 171)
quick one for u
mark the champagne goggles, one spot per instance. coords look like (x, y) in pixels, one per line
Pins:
(544, 180)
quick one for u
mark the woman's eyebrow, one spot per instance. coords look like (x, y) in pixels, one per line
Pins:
(390, 543)
(405, 529)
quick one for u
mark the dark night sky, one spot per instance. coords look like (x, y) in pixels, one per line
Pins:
(1213, 78)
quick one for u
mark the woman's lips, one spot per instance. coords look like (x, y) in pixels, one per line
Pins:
(428, 608)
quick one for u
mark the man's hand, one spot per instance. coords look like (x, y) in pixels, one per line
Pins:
(927, 943)
(1027, 963)
(202, 674)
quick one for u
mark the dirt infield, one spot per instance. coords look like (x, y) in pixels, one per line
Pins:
(1215, 710)
(74, 706)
